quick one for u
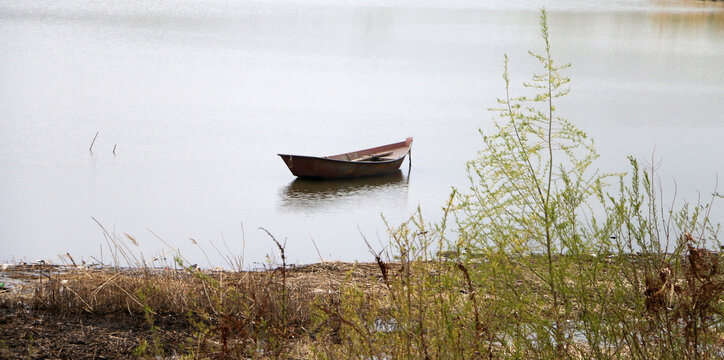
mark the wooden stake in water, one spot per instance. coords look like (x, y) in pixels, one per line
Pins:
(114, 148)
(94, 141)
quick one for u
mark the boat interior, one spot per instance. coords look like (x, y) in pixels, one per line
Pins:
(378, 154)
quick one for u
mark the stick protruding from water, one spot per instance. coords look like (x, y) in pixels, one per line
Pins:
(93, 142)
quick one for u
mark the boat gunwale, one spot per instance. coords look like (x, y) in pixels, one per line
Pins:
(346, 161)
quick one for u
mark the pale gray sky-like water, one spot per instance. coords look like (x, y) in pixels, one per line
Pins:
(198, 97)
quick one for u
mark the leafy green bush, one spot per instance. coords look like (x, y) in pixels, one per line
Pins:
(545, 262)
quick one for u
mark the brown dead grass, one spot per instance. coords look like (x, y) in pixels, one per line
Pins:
(202, 312)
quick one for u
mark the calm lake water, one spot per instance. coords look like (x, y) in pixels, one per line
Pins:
(198, 96)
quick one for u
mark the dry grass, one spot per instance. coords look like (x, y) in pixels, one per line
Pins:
(167, 291)
(228, 313)
(332, 308)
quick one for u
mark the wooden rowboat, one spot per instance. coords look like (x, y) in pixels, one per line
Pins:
(374, 161)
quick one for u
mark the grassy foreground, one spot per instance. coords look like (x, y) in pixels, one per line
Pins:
(416, 309)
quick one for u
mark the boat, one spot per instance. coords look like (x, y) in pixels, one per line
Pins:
(374, 161)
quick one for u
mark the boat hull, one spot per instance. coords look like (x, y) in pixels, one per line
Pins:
(333, 167)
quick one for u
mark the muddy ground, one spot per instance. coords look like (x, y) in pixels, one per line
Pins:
(43, 335)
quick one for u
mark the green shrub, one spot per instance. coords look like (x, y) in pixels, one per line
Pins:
(545, 262)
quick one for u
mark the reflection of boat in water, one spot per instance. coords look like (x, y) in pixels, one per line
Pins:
(309, 193)
(374, 161)
(303, 188)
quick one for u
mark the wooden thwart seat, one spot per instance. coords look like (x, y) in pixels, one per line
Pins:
(375, 157)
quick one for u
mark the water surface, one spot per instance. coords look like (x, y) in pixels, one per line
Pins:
(199, 96)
